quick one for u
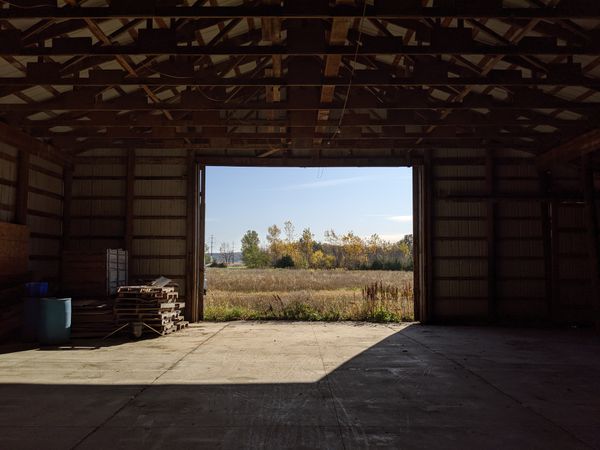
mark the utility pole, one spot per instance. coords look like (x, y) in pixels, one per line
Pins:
(212, 237)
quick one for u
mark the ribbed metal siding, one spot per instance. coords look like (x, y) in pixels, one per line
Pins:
(159, 244)
(160, 217)
(98, 203)
(541, 266)
(521, 275)
(459, 245)
(45, 217)
(8, 180)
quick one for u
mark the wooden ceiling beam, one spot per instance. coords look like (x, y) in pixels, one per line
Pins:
(571, 150)
(151, 120)
(373, 46)
(388, 10)
(393, 161)
(341, 146)
(24, 142)
(169, 133)
(363, 78)
(524, 101)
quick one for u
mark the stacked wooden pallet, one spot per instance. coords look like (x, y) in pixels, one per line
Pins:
(93, 318)
(157, 308)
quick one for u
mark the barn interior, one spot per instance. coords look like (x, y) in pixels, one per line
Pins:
(110, 112)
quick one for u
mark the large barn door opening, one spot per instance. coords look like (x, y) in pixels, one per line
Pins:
(320, 245)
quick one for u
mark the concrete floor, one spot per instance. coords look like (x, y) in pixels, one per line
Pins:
(283, 385)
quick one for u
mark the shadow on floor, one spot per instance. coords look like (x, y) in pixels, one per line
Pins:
(423, 387)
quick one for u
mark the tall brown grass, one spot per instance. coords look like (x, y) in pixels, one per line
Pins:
(308, 295)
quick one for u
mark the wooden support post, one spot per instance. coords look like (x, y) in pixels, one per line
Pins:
(492, 294)
(192, 310)
(591, 211)
(129, 201)
(201, 242)
(417, 214)
(22, 194)
(555, 217)
(546, 212)
(427, 240)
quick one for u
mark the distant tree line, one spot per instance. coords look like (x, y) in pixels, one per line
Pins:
(348, 251)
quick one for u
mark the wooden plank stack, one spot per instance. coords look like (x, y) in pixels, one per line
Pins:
(93, 318)
(156, 307)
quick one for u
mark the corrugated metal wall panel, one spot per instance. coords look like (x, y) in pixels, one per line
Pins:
(154, 207)
(160, 188)
(45, 217)
(44, 208)
(520, 285)
(98, 201)
(458, 238)
(162, 247)
(160, 210)
(159, 241)
(8, 179)
(164, 170)
(460, 308)
(159, 227)
(98, 208)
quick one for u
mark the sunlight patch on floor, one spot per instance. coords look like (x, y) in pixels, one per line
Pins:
(207, 354)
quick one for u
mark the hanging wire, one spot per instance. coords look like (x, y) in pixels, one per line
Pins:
(352, 71)
(338, 129)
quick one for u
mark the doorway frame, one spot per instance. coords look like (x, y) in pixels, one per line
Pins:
(195, 270)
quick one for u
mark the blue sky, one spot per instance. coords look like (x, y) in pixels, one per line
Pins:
(365, 201)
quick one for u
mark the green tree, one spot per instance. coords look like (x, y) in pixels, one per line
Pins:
(252, 255)
(285, 262)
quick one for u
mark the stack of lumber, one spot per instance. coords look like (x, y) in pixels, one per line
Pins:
(156, 307)
(92, 318)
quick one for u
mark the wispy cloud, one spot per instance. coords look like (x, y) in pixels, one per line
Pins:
(392, 218)
(320, 184)
(401, 219)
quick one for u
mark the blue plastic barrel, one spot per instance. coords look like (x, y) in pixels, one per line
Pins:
(36, 289)
(31, 319)
(55, 321)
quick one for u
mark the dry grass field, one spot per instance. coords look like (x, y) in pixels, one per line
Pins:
(332, 295)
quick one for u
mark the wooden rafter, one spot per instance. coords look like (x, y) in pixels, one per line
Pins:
(250, 78)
